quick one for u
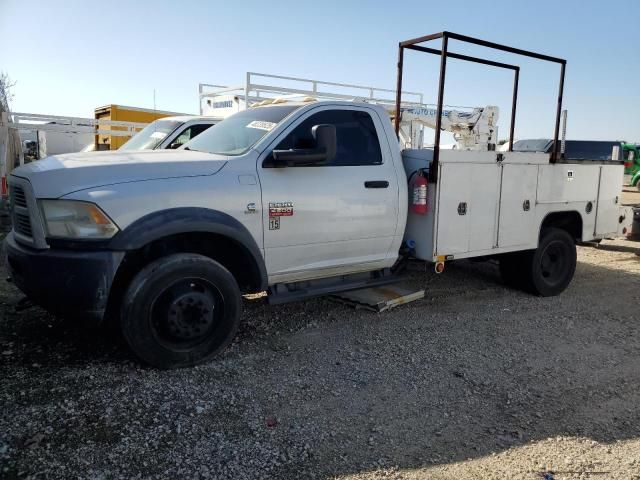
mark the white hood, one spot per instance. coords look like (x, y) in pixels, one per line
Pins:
(60, 175)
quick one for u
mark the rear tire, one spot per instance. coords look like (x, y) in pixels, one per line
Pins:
(549, 269)
(180, 311)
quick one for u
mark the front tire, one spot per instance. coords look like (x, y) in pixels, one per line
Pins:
(180, 311)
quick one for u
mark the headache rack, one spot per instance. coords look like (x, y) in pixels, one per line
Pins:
(262, 86)
(414, 44)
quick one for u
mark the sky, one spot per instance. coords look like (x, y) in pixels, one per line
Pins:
(68, 57)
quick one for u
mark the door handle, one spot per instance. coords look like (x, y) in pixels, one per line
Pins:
(376, 184)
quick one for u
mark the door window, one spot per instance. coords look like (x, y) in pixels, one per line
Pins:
(357, 139)
(189, 133)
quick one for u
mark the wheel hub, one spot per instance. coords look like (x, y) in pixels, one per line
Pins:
(552, 263)
(190, 315)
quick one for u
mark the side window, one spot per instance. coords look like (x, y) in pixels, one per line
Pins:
(189, 133)
(357, 139)
(198, 129)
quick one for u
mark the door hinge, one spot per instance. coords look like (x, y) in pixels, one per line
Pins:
(462, 208)
(500, 157)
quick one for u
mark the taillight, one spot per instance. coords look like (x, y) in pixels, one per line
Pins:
(418, 189)
(4, 186)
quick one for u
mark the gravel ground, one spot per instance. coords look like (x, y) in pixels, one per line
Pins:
(475, 381)
(630, 195)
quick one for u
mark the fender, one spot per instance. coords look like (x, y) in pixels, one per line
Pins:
(173, 221)
(559, 219)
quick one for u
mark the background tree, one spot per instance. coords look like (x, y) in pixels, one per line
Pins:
(5, 92)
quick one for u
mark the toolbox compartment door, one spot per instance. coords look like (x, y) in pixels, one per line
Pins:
(453, 227)
(607, 210)
(467, 207)
(517, 224)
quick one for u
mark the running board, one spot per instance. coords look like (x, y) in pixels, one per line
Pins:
(292, 292)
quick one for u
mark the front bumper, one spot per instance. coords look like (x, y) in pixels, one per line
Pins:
(73, 283)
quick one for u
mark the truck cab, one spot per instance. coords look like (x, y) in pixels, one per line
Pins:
(276, 195)
(169, 133)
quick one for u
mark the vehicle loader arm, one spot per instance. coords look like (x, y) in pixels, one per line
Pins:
(475, 130)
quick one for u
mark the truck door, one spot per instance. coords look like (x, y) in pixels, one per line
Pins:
(337, 218)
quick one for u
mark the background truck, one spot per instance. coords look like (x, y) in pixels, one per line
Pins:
(631, 155)
(298, 198)
(169, 132)
(120, 113)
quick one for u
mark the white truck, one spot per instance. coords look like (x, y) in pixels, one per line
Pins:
(169, 132)
(295, 198)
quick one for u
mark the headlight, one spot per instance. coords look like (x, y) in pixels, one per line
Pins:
(75, 219)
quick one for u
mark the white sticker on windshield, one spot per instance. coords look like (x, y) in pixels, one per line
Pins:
(261, 125)
(158, 135)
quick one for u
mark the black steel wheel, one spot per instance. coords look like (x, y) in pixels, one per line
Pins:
(550, 268)
(186, 312)
(180, 311)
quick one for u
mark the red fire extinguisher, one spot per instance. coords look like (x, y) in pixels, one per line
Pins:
(418, 189)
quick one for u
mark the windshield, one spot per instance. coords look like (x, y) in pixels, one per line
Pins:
(151, 135)
(238, 133)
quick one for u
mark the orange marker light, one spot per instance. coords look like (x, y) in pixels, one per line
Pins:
(97, 216)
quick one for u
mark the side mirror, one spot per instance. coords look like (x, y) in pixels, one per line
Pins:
(324, 151)
(325, 137)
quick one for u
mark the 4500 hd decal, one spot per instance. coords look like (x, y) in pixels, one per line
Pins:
(277, 210)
